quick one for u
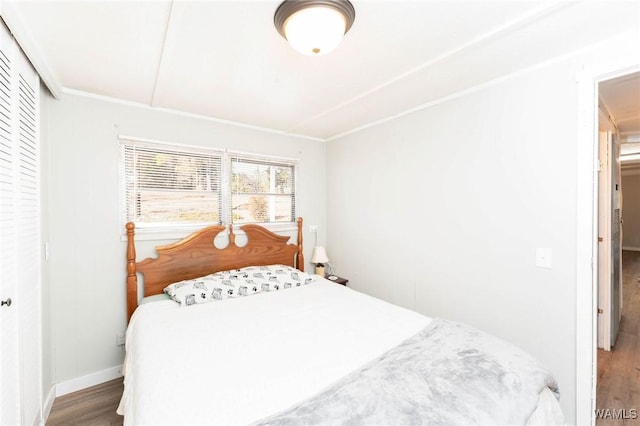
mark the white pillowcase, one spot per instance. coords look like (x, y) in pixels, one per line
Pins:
(238, 282)
(278, 277)
(201, 290)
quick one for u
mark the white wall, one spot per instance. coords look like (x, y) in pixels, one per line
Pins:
(86, 269)
(453, 200)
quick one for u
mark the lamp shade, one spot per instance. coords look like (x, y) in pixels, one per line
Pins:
(319, 255)
(314, 27)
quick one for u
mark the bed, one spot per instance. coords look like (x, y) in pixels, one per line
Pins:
(282, 347)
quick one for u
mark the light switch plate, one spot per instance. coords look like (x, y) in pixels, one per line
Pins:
(544, 258)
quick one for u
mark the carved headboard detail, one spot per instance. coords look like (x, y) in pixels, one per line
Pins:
(196, 256)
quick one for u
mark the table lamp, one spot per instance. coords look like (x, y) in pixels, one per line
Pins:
(319, 258)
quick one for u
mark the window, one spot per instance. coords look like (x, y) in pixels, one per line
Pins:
(164, 186)
(262, 191)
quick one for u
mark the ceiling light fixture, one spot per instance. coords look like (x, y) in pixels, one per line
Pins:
(314, 27)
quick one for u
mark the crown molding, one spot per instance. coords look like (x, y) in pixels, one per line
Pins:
(23, 37)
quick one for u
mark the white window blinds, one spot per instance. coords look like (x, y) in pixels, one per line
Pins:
(164, 186)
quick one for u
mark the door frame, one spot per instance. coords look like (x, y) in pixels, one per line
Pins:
(617, 64)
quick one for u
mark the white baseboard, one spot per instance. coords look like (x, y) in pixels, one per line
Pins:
(631, 248)
(88, 380)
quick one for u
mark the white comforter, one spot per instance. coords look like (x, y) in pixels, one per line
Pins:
(238, 360)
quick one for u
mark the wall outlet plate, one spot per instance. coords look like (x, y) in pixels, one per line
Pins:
(120, 338)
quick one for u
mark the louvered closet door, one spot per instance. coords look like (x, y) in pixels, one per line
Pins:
(20, 334)
(9, 342)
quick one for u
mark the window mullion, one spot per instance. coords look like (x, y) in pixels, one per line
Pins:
(271, 197)
(226, 189)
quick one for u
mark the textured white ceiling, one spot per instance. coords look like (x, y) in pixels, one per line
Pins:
(225, 59)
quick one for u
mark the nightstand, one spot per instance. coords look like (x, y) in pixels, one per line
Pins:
(336, 279)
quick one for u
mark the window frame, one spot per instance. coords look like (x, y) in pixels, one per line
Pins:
(151, 231)
(261, 159)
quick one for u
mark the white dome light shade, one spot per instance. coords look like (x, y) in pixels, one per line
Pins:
(315, 31)
(314, 27)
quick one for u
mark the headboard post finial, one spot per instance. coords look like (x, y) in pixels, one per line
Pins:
(300, 254)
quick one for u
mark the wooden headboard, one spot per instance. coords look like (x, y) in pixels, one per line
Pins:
(196, 256)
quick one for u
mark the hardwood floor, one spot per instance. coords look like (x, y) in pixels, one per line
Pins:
(618, 388)
(94, 406)
(618, 373)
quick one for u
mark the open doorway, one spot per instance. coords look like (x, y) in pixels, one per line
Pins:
(619, 242)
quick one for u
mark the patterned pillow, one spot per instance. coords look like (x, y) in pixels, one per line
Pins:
(190, 292)
(226, 284)
(277, 277)
(236, 283)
